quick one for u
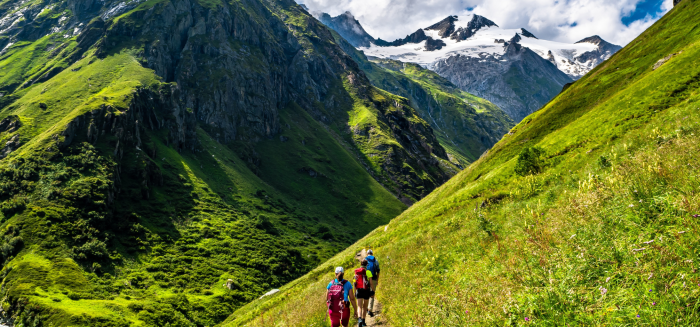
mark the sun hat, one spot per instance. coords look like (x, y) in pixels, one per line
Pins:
(339, 270)
(370, 252)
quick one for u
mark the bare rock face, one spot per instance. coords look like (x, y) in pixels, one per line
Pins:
(10, 124)
(510, 81)
(347, 26)
(604, 51)
(11, 145)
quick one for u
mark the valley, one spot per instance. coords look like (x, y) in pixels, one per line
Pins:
(210, 162)
(585, 214)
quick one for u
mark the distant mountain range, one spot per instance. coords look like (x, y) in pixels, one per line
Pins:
(510, 67)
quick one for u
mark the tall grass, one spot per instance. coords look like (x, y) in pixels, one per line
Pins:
(610, 245)
(605, 233)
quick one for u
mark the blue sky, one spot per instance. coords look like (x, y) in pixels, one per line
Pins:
(651, 8)
(617, 21)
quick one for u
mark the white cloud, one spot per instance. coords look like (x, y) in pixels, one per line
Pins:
(559, 20)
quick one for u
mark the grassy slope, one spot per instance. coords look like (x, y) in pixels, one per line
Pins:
(605, 235)
(465, 125)
(459, 119)
(162, 254)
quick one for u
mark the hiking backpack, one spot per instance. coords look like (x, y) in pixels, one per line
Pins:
(336, 296)
(361, 281)
(372, 265)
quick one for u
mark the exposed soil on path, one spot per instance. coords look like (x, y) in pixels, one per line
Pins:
(374, 317)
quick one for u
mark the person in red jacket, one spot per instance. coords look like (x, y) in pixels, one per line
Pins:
(338, 298)
(363, 290)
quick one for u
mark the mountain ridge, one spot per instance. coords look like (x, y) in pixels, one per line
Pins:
(464, 43)
(584, 214)
(168, 161)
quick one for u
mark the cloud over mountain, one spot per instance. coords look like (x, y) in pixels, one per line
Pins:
(561, 20)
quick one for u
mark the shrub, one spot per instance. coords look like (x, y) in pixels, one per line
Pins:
(530, 161)
(604, 162)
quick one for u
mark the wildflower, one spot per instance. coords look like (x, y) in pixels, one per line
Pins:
(640, 201)
(637, 316)
(466, 312)
(650, 276)
(631, 205)
(603, 291)
(607, 279)
(650, 290)
(653, 303)
(527, 319)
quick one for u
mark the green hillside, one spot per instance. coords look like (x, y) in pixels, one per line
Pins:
(465, 125)
(166, 162)
(585, 214)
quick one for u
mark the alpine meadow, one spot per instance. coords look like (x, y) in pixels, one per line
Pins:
(192, 163)
(585, 213)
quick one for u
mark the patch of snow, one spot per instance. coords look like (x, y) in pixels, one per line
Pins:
(482, 44)
(120, 8)
(2, 52)
(12, 19)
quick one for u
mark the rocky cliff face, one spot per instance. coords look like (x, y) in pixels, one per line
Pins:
(519, 81)
(348, 26)
(448, 29)
(603, 51)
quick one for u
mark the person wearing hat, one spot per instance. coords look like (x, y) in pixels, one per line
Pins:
(338, 298)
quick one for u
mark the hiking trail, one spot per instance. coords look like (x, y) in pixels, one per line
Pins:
(377, 319)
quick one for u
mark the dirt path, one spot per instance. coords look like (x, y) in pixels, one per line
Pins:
(374, 318)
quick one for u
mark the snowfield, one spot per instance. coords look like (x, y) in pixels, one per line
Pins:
(484, 43)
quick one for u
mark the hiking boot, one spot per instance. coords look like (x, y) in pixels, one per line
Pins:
(370, 313)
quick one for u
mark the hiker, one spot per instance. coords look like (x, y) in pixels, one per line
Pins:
(372, 266)
(338, 298)
(363, 290)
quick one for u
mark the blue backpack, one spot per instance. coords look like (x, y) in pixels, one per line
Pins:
(372, 265)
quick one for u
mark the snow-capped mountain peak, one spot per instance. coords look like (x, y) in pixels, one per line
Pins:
(512, 68)
(476, 36)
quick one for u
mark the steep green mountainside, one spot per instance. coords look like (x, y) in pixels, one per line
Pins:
(587, 214)
(168, 161)
(465, 125)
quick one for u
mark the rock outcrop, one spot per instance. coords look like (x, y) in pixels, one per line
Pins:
(347, 26)
(512, 81)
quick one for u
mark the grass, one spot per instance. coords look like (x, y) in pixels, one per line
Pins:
(605, 234)
(112, 232)
(464, 124)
